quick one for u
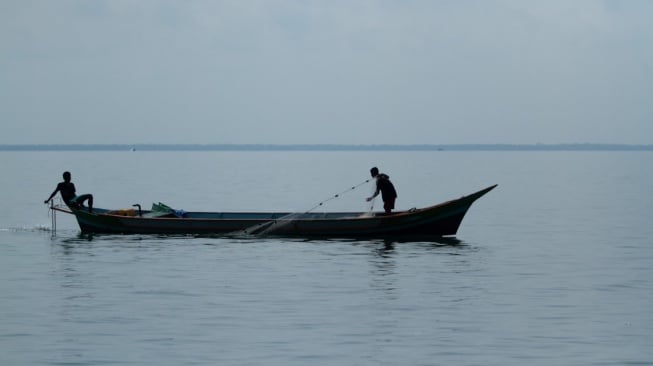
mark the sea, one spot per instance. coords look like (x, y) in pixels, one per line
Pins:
(553, 267)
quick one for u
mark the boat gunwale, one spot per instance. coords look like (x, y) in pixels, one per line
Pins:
(354, 214)
(449, 213)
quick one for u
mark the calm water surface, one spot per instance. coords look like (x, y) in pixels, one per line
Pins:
(555, 266)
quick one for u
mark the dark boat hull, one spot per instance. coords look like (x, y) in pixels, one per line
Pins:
(439, 220)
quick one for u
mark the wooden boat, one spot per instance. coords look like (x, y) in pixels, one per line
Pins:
(439, 220)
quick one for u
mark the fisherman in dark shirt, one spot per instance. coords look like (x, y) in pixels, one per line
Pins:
(68, 194)
(386, 188)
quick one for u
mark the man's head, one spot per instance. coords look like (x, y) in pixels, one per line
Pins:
(374, 171)
(66, 176)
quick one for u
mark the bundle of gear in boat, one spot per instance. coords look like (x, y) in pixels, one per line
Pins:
(158, 210)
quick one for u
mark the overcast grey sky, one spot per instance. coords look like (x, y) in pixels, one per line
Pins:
(332, 72)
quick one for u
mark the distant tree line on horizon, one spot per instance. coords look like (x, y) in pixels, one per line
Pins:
(326, 147)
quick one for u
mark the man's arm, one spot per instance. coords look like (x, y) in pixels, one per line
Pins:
(52, 195)
(376, 193)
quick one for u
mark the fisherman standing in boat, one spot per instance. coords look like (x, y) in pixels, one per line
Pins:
(386, 188)
(67, 190)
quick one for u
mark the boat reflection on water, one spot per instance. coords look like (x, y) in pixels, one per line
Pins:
(386, 242)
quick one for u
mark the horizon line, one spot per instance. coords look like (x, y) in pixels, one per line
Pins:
(330, 147)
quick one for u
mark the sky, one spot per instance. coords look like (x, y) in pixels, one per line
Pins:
(326, 72)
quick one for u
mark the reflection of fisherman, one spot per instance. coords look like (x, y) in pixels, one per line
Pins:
(386, 188)
(67, 191)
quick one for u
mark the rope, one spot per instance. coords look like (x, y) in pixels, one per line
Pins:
(337, 195)
(53, 215)
(272, 225)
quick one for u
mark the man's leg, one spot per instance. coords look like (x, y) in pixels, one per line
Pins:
(86, 197)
